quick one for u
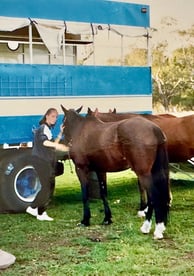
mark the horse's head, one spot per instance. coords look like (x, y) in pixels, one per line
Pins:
(96, 112)
(70, 122)
(113, 111)
(92, 113)
(102, 116)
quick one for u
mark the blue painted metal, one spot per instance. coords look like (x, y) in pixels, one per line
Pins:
(24, 80)
(92, 11)
(54, 80)
(17, 129)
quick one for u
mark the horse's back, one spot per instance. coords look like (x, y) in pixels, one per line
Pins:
(142, 131)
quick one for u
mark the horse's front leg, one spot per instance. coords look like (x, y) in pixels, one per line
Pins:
(103, 193)
(83, 178)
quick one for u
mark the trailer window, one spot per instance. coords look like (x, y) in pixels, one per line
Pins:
(58, 42)
(11, 56)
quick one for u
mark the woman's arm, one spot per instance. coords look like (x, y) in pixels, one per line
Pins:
(56, 145)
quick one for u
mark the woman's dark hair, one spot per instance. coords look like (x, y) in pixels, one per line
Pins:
(49, 111)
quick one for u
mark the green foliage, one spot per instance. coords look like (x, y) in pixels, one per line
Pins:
(137, 57)
(173, 76)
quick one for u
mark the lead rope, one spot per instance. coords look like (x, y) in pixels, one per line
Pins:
(71, 168)
(69, 158)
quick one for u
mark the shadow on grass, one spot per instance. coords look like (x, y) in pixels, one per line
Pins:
(182, 183)
(117, 188)
(120, 185)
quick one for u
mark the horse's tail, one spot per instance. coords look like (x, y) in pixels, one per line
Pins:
(161, 194)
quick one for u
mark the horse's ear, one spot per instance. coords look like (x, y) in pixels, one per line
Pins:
(89, 111)
(114, 110)
(96, 112)
(63, 108)
(79, 109)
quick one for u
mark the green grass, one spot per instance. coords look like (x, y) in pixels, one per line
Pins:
(62, 248)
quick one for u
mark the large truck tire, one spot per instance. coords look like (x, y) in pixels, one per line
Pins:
(21, 177)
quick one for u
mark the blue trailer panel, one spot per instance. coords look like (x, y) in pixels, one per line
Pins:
(24, 80)
(64, 83)
(92, 11)
(47, 58)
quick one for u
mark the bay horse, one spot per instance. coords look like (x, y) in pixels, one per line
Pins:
(178, 130)
(111, 147)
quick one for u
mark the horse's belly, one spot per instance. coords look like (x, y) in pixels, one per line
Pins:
(179, 153)
(110, 163)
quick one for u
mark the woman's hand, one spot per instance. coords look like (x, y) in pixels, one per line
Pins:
(62, 128)
(60, 133)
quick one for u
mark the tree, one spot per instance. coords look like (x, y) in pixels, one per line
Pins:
(184, 60)
(173, 76)
(136, 57)
(166, 80)
(172, 71)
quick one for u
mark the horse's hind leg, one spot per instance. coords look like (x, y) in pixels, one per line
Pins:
(161, 211)
(103, 193)
(146, 227)
(143, 201)
(161, 191)
(145, 181)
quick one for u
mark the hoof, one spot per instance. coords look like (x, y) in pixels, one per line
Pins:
(159, 230)
(107, 222)
(146, 227)
(158, 236)
(83, 224)
(142, 213)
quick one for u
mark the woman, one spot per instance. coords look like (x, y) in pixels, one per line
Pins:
(44, 148)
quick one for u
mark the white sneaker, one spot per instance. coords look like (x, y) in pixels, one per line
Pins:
(44, 216)
(32, 211)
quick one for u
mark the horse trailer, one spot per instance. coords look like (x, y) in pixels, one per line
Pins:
(90, 53)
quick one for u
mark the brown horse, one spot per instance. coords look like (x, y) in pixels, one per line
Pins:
(110, 147)
(178, 130)
(121, 116)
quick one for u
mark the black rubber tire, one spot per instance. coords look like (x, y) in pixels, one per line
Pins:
(18, 167)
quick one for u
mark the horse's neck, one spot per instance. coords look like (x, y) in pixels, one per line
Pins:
(111, 117)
